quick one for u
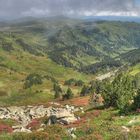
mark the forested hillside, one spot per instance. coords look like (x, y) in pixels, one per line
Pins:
(57, 49)
(73, 43)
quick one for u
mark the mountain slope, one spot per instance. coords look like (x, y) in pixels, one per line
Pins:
(132, 57)
(59, 50)
(72, 43)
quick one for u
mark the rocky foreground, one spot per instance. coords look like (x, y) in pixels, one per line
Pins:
(25, 114)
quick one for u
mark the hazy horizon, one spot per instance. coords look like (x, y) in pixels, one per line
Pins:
(13, 9)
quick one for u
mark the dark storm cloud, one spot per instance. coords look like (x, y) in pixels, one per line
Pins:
(19, 8)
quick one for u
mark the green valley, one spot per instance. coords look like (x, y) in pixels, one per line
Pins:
(88, 70)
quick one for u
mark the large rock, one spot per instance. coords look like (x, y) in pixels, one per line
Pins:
(62, 113)
(52, 120)
(67, 120)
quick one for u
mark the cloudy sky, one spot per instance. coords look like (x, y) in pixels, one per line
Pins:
(38, 8)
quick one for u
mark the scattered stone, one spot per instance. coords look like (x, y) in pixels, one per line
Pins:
(42, 125)
(78, 118)
(68, 120)
(22, 130)
(25, 115)
(134, 121)
(73, 136)
(54, 103)
(17, 127)
(82, 112)
(121, 117)
(71, 132)
(125, 129)
(40, 129)
(81, 108)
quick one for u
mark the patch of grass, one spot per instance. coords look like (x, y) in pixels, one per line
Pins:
(8, 122)
(6, 137)
(135, 70)
(28, 98)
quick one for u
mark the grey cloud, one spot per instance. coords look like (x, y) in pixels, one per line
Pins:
(19, 8)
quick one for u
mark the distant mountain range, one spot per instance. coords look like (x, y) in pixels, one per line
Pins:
(113, 18)
(87, 45)
(97, 18)
(87, 18)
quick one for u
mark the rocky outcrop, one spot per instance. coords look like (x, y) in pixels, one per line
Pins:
(25, 115)
(71, 132)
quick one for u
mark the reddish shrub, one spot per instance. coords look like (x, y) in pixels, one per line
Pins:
(79, 101)
(34, 124)
(98, 136)
(93, 114)
(96, 113)
(5, 128)
(138, 110)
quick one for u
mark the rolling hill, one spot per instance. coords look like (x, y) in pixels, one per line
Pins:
(61, 49)
(74, 43)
